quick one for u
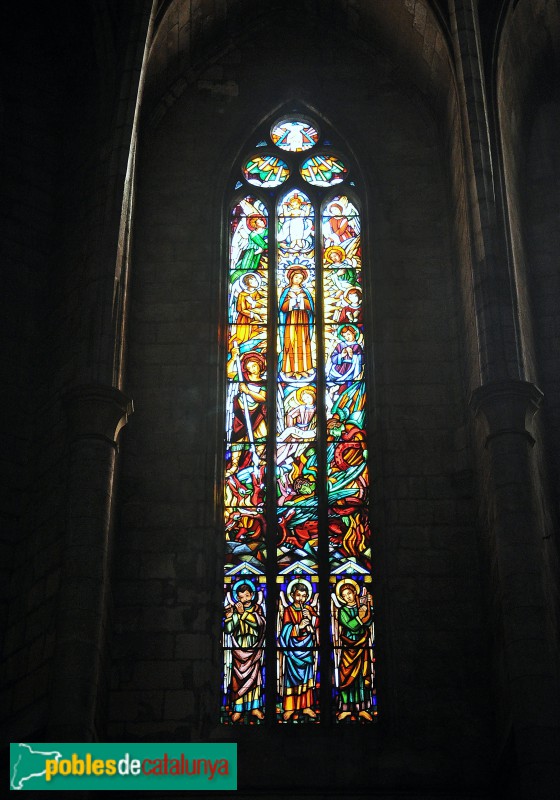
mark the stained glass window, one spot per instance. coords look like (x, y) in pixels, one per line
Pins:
(322, 170)
(265, 171)
(298, 636)
(294, 135)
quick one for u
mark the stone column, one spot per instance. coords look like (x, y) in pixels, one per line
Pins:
(510, 495)
(95, 414)
(493, 290)
(525, 652)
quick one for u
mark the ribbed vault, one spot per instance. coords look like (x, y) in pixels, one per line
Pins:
(410, 34)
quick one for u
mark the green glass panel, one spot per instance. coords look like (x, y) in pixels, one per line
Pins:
(266, 171)
(353, 658)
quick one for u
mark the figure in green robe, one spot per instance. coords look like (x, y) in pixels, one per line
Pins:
(256, 244)
(355, 619)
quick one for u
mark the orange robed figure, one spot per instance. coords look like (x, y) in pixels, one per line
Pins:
(296, 325)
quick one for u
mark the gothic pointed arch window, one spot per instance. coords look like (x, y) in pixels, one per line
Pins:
(298, 640)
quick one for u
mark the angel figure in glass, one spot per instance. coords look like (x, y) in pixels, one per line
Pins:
(352, 639)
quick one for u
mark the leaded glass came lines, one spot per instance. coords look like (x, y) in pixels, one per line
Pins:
(298, 600)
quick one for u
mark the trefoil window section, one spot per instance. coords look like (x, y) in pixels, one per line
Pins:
(298, 636)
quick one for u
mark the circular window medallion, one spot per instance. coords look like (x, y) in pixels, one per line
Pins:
(294, 135)
(265, 171)
(323, 170)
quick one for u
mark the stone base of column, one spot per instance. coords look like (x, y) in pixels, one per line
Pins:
(96, 415)
(522, 598)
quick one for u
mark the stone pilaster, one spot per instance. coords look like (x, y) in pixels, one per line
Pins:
(493, 292)
(510, 497)
(95, 415)
(524, 643)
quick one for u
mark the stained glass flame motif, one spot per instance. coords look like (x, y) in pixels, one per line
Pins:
(347, 470)
(321, 170)
(296, 480)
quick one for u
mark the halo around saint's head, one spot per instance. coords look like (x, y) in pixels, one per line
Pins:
(305, 390)
(241, 582)
(293, 270)
(345, 326)
(255, 221)
(255, 275)
(305, 582)
(353, 289)
(336, 250)
(253, 355)
(344, 582)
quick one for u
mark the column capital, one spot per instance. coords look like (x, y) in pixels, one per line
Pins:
(96, 411)
(508, 407)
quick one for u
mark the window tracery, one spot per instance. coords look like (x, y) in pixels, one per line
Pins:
(298, 608)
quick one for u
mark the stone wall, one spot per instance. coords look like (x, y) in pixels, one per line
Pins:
(62, 124)
(167, 589)
(113, 560)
